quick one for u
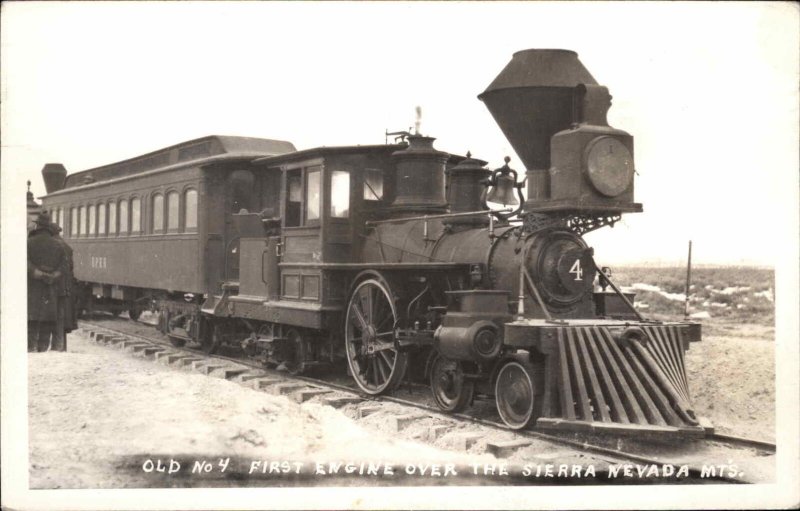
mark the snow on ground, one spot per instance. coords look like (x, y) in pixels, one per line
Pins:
(765, 294)
(676, 297)
(94, 409)
(733, 290)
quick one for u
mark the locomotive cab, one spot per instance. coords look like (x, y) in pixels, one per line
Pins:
(296, 256)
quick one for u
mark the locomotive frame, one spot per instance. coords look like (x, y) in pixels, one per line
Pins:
(388, 257)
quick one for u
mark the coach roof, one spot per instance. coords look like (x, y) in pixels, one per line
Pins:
(202, 150)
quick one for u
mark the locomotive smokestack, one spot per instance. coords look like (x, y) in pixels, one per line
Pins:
(532, 100)
(553, 113)
(54, 176)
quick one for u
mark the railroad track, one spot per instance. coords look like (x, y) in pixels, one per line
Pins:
(738, 441)
(277, 378)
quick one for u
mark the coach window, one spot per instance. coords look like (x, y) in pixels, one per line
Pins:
(101, 219)
(158, 213)
(73, 223)
(190, 210)
(136, 216)
(312, 194)
(294, 197)
(123, 217)
(373, 184)
(81, 220)
(91, 231)
(340, 194)
(173, 211)
(112, 218)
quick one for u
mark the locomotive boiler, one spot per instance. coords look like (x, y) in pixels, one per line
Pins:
(403, 260)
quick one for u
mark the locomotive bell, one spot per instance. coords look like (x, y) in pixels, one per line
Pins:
(503, 183)
(503, 191)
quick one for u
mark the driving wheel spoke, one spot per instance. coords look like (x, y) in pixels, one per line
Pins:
(375, 363)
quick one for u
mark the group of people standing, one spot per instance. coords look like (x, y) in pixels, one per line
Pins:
(51, 311)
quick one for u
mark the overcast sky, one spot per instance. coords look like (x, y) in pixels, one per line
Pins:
(709, 92)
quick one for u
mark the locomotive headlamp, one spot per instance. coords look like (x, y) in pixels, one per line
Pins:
(502, 183)
(609, 166)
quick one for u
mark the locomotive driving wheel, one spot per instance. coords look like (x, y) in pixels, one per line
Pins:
(516, 394)
(375, 363)
(451, 390)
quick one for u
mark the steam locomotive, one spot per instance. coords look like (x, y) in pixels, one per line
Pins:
(390, 257)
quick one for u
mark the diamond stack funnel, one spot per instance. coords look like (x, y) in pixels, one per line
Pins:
(531, 100)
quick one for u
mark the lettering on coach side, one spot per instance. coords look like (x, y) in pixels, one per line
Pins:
(99, 262)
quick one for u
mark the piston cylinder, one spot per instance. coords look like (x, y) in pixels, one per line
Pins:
(472, 328)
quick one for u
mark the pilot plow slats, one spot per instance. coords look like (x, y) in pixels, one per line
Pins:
(608, 381)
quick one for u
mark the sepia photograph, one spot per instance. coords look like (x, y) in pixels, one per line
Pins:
(400, 255)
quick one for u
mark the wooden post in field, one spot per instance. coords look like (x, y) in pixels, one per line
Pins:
(688, 282)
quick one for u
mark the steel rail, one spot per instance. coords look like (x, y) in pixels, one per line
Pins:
(743, 442)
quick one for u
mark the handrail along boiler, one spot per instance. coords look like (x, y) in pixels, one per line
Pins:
(389, 256)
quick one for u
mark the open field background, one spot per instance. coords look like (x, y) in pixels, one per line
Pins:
(732, 371)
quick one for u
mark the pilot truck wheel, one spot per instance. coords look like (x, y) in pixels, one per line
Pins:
(451, 390)
(517, 394)
(375, 363)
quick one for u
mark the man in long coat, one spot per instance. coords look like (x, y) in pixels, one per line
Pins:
(65, 292)
(45, 258)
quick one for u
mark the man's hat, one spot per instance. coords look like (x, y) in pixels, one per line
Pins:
(43, 220)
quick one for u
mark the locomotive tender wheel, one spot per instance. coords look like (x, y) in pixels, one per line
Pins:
(374, 362)
(134, 312)
(451, 391)
(212, 340)
(295, 352)
(177, 341)
(163, 321)
(516, 394)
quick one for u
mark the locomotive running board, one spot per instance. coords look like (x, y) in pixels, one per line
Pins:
(596, 381)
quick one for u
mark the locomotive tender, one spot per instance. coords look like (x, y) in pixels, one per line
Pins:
(389, 256)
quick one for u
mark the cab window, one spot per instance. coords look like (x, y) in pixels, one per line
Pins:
(373, 184)
(312, 194)
(294, 197)
(340, 194)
